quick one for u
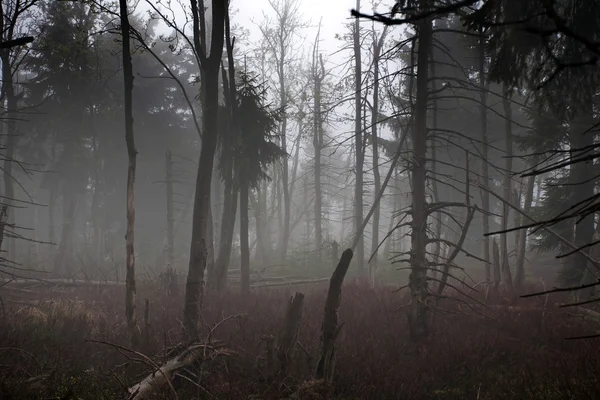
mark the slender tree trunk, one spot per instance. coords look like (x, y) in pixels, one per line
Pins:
(396, 206)
(170, 214)
(51, 213)
(506, 274)
(209, 76)
(485, 195)
(227, 231)
(417, 314)
(318, 145)
(130, 290)
(358, 144)
(64, 253)
(377, 45)
(11, 141)
(434, 185)
(582, 174)
(522, 246)
(261, 247)
(285, 170)
(244, 233)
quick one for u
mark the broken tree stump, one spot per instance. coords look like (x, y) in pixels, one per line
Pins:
(288, 333)
(330, 328)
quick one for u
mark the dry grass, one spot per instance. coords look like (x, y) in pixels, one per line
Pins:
(516, 354)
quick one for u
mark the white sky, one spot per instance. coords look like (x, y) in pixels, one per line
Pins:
(335, 14)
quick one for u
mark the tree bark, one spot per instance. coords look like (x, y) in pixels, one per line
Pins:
(377, 46)
(417, 313)
(244, 233)
(209, 77)
(358, 145)
(582, 175)
(508, 137)
(170, 214)
(8, 90)
(330, 328)
(485, 196)
(130, 289)
(522, 249)
(318, 74)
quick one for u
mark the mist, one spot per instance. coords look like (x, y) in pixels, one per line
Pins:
(254, 192)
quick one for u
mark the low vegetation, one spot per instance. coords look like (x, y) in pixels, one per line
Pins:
(69, 347)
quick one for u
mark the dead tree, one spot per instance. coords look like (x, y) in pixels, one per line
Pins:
(458, 246)
(288, 334)
(209, 76)
(318, 74)
(330, 328)
(377, 47)
(358, 146)
(130, 290)
(417, 313)
(505, 264)
(522, 245)
(170, 216)
(485, 195)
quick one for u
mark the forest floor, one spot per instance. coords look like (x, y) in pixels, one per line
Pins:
(516, 350)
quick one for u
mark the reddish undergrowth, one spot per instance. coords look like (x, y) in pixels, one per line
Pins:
(515, 352)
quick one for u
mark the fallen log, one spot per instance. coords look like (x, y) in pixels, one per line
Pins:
(290, 283)
(164, 375)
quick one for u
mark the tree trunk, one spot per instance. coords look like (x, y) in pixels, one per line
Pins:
(485, 195)
(244, 233)
(130, 290)
(582, 174)
(64, 253)
(11, 141)
(285, 171)
(209, 76)
(377, 45)
(230, 196)
(417, 314)
(51, 212)
(358, 145)
(522, 249)
(434, 186)
(318, 145)
(506, 274)
(170, 214)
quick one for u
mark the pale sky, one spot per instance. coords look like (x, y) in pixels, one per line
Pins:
(335, 14)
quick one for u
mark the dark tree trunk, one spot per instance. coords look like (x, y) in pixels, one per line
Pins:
(209, 76)
(227, 231)
(485, 195)
(244, 232)
(522, 245)
(417, 314)
(170, 214)
(130, 289)
(358, 145)
(506, 273)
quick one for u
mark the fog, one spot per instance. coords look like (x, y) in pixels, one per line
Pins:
(432, 158)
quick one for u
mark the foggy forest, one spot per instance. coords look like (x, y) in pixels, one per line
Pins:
(292, 199)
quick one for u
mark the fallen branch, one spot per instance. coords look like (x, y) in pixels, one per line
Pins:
(164, 374)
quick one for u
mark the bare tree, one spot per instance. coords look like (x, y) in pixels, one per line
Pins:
(130, 289)
(280, 36)
(210, 62)
(377, 47)
(506, 274)
(318, 74)
(418, 261)
(358, 145)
